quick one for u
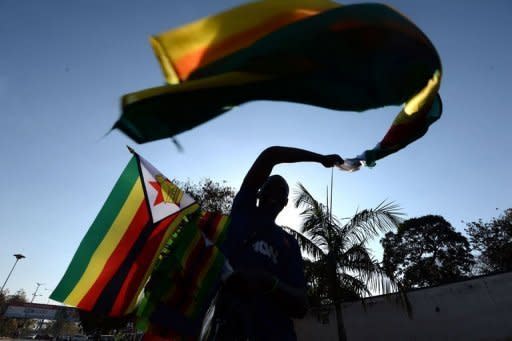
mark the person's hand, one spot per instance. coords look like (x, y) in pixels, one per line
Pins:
(250, 282)
(332, 160)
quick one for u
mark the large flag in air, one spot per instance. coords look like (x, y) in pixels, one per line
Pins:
(350, 58)
(120, 249)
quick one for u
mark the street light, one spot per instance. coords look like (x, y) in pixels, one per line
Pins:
(18, 257)
(35, 292)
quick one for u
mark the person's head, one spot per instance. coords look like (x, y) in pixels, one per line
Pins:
(273, 195)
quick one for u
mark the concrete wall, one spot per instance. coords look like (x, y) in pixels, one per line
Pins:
(477, 309)
(318, 325)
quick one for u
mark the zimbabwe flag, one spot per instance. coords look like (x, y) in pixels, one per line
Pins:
(119, 251)
(316, 52)
(185, 279)
(220, 35)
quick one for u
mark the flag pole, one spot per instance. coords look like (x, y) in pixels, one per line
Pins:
(332, 175)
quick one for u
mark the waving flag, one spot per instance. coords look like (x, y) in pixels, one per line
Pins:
(223, 34)
(119, 251)
(354, 58)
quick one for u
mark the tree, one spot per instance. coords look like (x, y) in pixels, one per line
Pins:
(211, 196)
(317, 285)
(493, 241)
(19, 297)
(426, 251)
(8, 326)
(62, 326)
(342, 267)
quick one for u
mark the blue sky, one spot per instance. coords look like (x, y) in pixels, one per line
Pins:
(65, 64)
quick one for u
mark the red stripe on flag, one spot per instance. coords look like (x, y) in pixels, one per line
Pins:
(399, 134)
(199, 57)
(209, 224)
(117, 257)
(217, 227)
(197, 250)
(139, 268)
(178, 293)
(193, 273)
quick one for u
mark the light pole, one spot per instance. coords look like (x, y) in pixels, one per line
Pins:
(18, 257)
(35, 292)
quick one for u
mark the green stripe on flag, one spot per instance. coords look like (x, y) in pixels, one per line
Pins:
(224, 232)
(183, 245)
(97, 231)
(209, 282)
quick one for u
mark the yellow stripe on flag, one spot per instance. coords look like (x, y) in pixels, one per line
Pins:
(108, 244)
(192, 245)
(207, 266)
(251, 21)
(426, 96)
(227, 79)
(221, 226)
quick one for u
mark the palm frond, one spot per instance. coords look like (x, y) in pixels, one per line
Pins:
(320, 240)
(356, 257)
(376, 280)
(359, 261)
(379, 283)
(306, 244)
(317, 221)
(369, 223)
(351, 283)
(312, 219)
(302, 197)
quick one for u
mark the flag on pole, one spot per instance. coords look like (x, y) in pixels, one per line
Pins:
(119, 251)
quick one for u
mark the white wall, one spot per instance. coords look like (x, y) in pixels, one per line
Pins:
(318, 325)
(477, 309)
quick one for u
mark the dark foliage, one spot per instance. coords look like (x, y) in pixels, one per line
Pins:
(212, 196)
(95, 325)
(493, 241)
(426, 251)
(11, 327)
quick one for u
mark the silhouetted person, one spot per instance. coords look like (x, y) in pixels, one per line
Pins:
(267, 287)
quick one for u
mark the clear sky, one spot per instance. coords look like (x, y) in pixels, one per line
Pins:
(65, 64)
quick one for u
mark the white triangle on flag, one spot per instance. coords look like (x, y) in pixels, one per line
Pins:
(164, 198)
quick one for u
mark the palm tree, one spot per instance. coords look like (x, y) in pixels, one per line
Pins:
(342, 266)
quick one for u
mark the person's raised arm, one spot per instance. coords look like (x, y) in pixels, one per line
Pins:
(275, 155)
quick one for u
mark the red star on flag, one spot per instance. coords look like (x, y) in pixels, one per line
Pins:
(158, 188)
